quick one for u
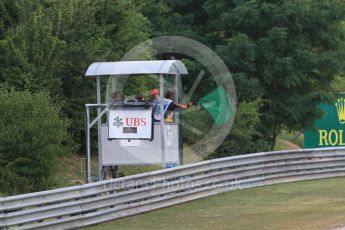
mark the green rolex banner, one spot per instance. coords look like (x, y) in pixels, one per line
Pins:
(330, 129)
(217, 105)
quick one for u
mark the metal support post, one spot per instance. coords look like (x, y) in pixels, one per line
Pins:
(177, 118)
(88, 147)
(162, 123)
(100, 160)
(88, 126)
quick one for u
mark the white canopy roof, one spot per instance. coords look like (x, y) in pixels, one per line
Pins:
(136, 67)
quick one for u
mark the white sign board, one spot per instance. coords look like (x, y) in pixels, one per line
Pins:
(142, 152)
(130, 123)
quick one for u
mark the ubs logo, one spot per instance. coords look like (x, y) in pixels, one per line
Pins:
(118, 122)
(129, 122)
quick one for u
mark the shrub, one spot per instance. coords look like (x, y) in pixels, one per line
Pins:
(244, 137)
(32, 137)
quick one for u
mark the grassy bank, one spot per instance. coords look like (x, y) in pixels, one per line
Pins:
(72, 168)
(288, 140)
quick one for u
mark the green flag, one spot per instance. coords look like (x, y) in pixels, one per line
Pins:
(217, 105)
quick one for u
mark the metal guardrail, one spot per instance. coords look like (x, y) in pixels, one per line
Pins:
(93, 203)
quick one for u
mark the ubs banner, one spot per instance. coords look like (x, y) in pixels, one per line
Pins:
(130, 123)
(330, 129)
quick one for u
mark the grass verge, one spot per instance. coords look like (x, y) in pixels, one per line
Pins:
(315, 204)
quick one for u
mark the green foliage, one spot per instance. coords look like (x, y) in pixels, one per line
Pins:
(105, 32)
(338, 84)
(140, 85)
(286, 52)
(244, 137)
(8, 16)
(283, 52)
(198, 120)
(55, 41)
(32, 137)
(31, 53)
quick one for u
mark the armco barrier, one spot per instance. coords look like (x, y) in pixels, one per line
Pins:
(93, 203)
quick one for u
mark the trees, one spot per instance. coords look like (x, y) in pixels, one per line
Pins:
(283, 52)
(54, 41)
(31, 53)
(8, 16)
(286, 51)
(32, 137)
(47, 45)
(244, 136)
(101, 30)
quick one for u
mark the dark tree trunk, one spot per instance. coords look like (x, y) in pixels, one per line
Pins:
(275, 133)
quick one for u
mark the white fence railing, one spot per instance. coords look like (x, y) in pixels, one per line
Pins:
(88, 204)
